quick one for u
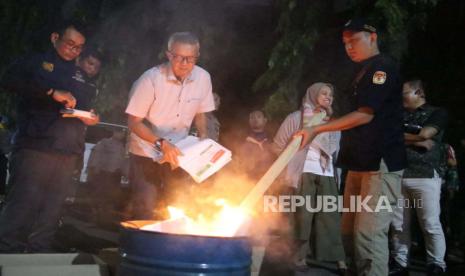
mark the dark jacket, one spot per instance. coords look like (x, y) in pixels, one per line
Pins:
(40, 125)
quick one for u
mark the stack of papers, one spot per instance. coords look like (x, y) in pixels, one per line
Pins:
(202, 158)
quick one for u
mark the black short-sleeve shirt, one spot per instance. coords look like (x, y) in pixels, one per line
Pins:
(421, 162)
(380, 89)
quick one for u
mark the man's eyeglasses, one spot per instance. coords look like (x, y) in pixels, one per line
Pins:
(181, 59)
(405, 93)
(71, 45)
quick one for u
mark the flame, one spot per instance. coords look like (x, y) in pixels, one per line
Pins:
(176, 213)
(214, 210)
(225, 223)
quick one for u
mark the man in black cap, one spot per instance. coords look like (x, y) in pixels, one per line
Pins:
(371, 149)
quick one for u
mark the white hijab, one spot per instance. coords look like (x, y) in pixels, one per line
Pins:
(327, 142)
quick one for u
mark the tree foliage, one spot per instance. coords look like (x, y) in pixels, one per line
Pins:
(305, 24)
(300, 26)
(275, 52)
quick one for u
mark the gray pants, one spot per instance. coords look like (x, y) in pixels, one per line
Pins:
(365, 234)
(423, 194)
(320, 232)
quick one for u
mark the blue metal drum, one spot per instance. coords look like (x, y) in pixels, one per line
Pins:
(147, 253)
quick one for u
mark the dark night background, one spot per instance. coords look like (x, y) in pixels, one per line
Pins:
(260, 53)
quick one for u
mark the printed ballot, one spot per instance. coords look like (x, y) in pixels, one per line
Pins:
(202, 158)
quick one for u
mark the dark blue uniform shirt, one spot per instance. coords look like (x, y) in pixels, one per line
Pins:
(363, 147)
(40, 125)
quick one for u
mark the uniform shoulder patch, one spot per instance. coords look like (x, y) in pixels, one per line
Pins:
(47, 66)
(379, 77)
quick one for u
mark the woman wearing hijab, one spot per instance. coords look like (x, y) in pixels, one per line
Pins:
(311, 174)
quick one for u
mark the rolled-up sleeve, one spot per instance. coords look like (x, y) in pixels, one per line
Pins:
(438, 119)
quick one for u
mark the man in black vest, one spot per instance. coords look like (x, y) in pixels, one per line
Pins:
(47, 144)
(371, 149)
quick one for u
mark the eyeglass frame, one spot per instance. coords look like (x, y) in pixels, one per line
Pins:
(71, 46)
(410, 92)
(187, 59)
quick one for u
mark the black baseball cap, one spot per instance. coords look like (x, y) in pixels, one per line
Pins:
(359, 25)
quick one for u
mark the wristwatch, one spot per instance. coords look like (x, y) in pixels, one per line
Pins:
(159, 143)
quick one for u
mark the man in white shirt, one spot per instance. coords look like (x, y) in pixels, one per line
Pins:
(169, 97)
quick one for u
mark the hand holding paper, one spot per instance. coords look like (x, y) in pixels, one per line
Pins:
(202, 158)
(170, 154)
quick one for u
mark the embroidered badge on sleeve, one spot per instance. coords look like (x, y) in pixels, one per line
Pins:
(379, 77)
(47, 66)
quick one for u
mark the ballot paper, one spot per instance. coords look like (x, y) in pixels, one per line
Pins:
(202, 158)
(77, 113)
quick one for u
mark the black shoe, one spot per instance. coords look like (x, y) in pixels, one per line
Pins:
(395, 269)
(434, 269)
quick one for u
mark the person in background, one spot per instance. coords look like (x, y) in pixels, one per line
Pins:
(169, 97)
(47, 145)
(213, 125)
(424, 129)
(311, 173)
(106, 166)
(5, 149)
(450, 200)
(459, 203)
(89, 64)
(254, 153)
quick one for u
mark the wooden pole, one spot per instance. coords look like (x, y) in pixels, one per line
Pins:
(272, 173)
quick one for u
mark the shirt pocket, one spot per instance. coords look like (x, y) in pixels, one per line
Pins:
(193, 100)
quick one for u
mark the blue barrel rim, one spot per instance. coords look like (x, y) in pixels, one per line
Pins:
(176, 234)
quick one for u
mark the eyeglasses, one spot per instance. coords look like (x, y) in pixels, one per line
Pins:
(71, 45)
(181, 59)
(405, 93)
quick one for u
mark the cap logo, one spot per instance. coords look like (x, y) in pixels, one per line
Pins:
(348, 23)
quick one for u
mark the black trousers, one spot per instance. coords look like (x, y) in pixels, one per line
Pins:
(38, 185)
(154, 186)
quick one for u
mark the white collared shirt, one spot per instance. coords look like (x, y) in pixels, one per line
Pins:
(168, 104)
